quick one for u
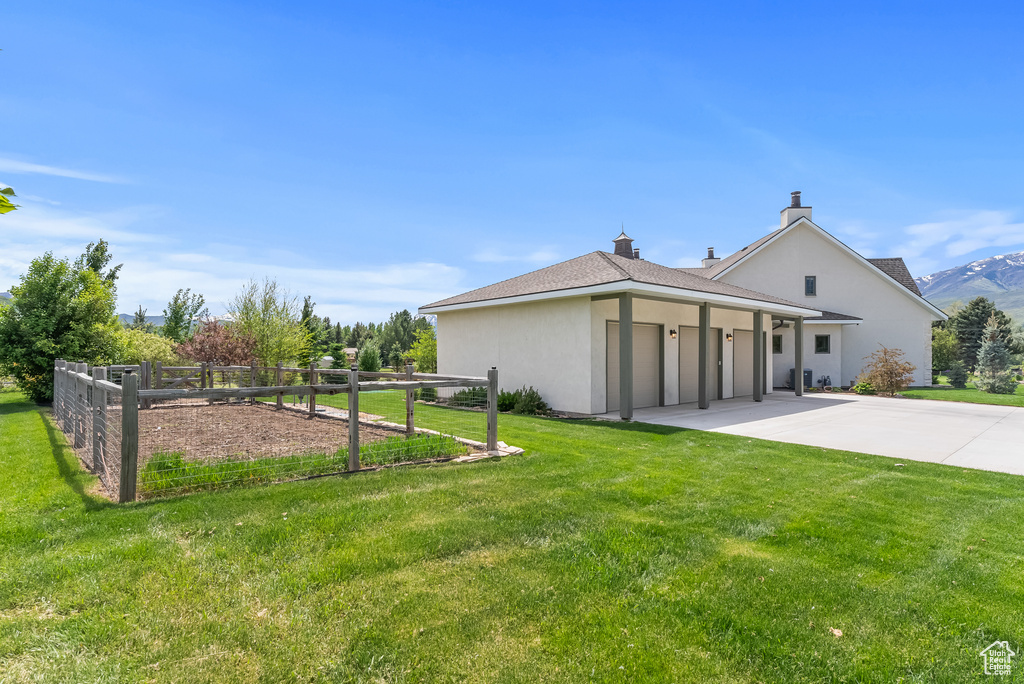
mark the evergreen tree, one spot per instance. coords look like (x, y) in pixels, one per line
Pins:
(140, 323)
(969, 327)
(994, 361)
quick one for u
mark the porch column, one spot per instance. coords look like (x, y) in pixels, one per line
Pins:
(758, 355)
(703, 336)
(626, 356)
(798, 355)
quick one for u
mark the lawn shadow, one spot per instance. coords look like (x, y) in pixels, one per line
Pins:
(72, 475)
(621, 425)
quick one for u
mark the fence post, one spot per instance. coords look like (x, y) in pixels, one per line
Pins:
(202, 375)
(312, 390)
(58, 393)
(353, 418)
(145, 380)
(129, 435)
(81, 405)
(99, 416)
(252, 379)
(279, 381)
(410, 403)
(492, 409)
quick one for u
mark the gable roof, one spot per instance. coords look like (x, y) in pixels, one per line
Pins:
(727, 264)
(898, 271)
(601, 268)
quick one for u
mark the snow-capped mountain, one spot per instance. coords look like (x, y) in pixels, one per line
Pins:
(1000, 278)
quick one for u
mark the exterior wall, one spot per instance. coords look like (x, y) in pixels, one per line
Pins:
(844, 285)
(671, 316)
(544, 344)
(830, 364)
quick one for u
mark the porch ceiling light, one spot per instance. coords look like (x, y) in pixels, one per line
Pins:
(728, 337)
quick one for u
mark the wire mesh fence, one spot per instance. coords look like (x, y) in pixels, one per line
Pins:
(181, 429)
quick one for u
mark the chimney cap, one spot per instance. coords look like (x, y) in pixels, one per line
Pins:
(794, 198)
(711, 252)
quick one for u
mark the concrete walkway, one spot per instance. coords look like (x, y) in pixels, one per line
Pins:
(966, 435)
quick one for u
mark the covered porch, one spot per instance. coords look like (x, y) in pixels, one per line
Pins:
(683, 348)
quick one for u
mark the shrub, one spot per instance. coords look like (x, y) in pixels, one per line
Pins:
(470, 397)
(863, 388)
(957, 375)
(369, 358)
(427, 394)
(507, 400)
(530, 403)
(888, 371)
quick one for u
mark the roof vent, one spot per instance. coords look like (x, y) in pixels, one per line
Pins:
(711, 260)
(624, 246)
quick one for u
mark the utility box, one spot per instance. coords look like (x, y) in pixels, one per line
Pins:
(808, 377)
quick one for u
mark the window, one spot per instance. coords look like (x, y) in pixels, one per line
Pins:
(822, 344)
(776, 344)
(811, 286)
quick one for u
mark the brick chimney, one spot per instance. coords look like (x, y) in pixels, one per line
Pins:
(794, 211)
(624, 246)
(711, 260)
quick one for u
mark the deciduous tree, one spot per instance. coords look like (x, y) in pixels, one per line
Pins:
(219, 344)
(181, 311)
(269, 315)
(888, 371)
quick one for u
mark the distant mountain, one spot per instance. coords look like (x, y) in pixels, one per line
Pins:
(128, 318)
(999, 278)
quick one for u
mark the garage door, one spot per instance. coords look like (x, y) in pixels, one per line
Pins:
(689, 371)
(742, 363)
(646, 365)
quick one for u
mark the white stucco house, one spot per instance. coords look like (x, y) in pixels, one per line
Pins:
(612, 332)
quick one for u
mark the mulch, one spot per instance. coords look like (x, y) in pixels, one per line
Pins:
(243, 431)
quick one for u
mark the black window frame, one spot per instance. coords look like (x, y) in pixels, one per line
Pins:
(828, 344)
(810, 286)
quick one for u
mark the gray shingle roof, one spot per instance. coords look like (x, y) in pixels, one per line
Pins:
(898, 271)
(599, 268)
(736, 256)
(832, 316)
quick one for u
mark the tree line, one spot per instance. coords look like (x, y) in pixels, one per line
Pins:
(65, 309)
(978, 338)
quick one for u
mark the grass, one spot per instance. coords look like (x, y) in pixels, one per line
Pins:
(970, 395)
(171, 473)
(608, 552)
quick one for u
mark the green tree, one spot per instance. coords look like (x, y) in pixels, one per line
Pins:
(958, 375)
(139, 322)
(945, 348)
(97, 257)
(369, 357)
(271, 317)
(58, 310)
(135, 345)
(969, 323)
(181, 311)
(399, 331)
(424, 351)
(5, 204)
(994, 374)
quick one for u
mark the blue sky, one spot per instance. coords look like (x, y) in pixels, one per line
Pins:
(380, 156)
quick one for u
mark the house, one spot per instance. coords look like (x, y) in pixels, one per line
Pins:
(612, 332)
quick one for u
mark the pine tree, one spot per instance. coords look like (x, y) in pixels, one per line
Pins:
(994, 361)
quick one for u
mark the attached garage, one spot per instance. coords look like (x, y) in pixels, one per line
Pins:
(689, 368)
(647, 365)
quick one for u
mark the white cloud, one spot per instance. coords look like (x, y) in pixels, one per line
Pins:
(14, 166)
(545, 255)
(150, 275)
(963, 233)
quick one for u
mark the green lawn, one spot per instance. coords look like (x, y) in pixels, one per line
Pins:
(969, 394)
(608, 552)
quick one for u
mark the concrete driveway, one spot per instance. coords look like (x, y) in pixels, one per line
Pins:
(965, 435)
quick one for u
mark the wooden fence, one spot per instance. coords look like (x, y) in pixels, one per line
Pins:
(82, 397)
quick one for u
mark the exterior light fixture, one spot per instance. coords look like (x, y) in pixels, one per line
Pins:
(728, 337)
(672, 334)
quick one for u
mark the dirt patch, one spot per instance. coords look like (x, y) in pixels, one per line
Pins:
(243, 431)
